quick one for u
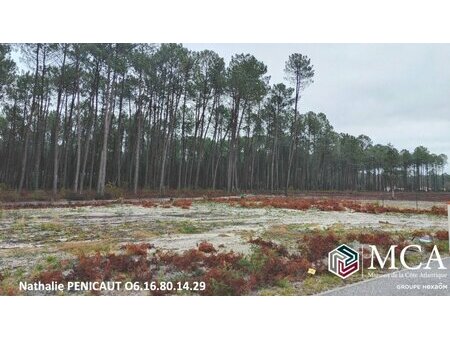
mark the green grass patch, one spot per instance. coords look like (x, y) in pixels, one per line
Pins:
(187, 228)
(321, 283)
(53, 227)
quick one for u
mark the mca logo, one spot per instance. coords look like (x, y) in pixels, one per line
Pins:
(343, 261)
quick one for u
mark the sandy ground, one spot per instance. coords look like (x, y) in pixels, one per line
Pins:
(407, 204)
(28, 235)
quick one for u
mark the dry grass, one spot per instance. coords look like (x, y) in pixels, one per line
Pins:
(86, 247)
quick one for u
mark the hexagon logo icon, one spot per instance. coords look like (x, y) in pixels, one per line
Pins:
(343, 261)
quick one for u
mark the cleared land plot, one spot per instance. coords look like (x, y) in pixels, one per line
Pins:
(31, 240)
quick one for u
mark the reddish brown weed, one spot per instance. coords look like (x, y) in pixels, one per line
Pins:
(137, 249)
(206, 247)
(182, 203)
(47, 277)
(442, 235)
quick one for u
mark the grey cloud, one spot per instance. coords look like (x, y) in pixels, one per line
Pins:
(397, 93)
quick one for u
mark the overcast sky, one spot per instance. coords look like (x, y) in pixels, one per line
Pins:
(397, 93)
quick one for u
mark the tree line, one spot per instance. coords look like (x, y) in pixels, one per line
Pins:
(84, 117)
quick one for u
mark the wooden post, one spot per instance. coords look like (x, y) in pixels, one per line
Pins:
(448, 215)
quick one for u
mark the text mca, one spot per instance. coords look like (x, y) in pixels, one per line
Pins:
(391, 256)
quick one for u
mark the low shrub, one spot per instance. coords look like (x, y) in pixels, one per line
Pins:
(223, 259)
(137, 249)
(206, 247)
(8, 290)
(148, 204)
(442, 235)
(435, 210)
(48, 277)
(182, 203)
(376, 238)
(113, 191)
(225, 282)
(271, 262)
(297, 203)
(318, 245)
(188, 261)
(225, 273)
(279, 249)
